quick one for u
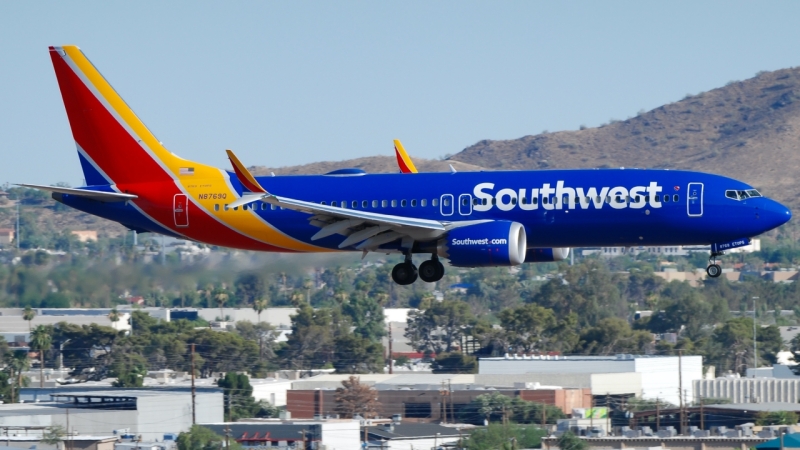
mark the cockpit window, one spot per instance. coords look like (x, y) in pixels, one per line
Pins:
(742, 194)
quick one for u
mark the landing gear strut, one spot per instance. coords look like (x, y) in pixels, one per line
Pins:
(405, 273)
(432, 270)
(714, 270)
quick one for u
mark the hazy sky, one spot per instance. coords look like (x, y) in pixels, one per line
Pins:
(285, 83)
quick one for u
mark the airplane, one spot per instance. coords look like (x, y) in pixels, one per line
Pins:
(472, 219)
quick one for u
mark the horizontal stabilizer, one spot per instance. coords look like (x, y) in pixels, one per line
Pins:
(101, 196)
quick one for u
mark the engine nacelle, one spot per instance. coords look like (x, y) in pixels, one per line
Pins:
(497, 243)
(547, 254)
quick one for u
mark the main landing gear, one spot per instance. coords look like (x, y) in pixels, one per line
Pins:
(429, 271)
(714, 270)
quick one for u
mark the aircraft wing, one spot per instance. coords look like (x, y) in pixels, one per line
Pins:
(101, 196)
(362, 229)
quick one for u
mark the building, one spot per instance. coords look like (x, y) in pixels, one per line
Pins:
(149, 413)
(749, 390)
(271, 390)
(6, 236)
(659, 442)
(660, 377)
(25, 438)
(403, 436)
(432, 404)
(330, 434)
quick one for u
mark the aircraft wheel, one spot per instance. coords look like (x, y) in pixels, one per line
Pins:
(431, 271)
(714, 270)
(404, 273)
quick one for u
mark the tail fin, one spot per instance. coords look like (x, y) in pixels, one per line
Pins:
(114, 146)
(403, 160)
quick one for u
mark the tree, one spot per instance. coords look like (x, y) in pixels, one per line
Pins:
(41, 341)
(354, 398)
(357, 354)
(568, 441)
(366, 315)
(492, 406)
(776, 418)
(441, 327)
(16, 362)
(221, 298)
(455, 362)
(249, 287)
(114, 317)
(504, 436)
(54, 435)
(201, 438)
(28, 314)
(260, 305)
(614, 335)
(528, 327)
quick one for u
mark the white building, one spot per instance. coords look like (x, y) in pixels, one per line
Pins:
(659, 374)
(749, 390)
(271, 390)
(330, 434)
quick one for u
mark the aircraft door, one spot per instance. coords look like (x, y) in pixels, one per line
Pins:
(694, 200)
(446, 205)
(465, 204)
(180, 210)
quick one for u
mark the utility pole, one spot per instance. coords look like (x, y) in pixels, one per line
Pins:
(591, 415)
(680, 387)
(18, 233)
(755, 349)
(391, 354)
(608, 414)
(450, 396)
(230, 396)
(544, 416)
(658, 414)
(193, 390)
(702, 416)
(228, 436)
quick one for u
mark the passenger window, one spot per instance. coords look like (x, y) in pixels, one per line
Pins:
(374, 203)
(216, 206)
(608, 199)
(394, 203)
(545, 200)
(447, 201)
(272, 207)
(413, 203)
(354, 204)
(423, 203)
(344, 203)
(334, 203)
(599, 199)
(675, 198)
(513, 201)
(323, 203)
(494, 201)
(235, 208)
(384, 203)
(403, 203)
(435, 202)
(364, 204)
(263, 206)
(535, 200)
(666, 198)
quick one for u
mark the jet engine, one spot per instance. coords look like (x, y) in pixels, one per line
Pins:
(547, 254)
(496, 243)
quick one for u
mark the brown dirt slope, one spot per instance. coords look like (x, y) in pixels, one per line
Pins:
(748, 130)
(370, 164)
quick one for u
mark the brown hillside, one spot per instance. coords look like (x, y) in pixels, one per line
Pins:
(748, 130)
(370, 164)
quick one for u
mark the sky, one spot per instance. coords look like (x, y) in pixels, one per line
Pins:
(287, 83)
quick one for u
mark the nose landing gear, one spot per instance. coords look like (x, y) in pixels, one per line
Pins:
(714, 270)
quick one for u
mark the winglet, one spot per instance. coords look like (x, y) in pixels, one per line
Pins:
(403, 160)
(245, 177)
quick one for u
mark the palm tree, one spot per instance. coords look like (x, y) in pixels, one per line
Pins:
(307, 285)
(221, 298)
(114, 317)
(16, 363)
(28, 314)
(41, 341)
(258, 306)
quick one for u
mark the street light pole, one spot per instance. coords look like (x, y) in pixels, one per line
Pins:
(755, 348)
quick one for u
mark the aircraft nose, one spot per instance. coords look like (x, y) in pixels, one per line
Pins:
(775, 214)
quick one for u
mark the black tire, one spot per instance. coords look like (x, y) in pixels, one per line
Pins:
(714, 270)
(404, 273)
(431, 271)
